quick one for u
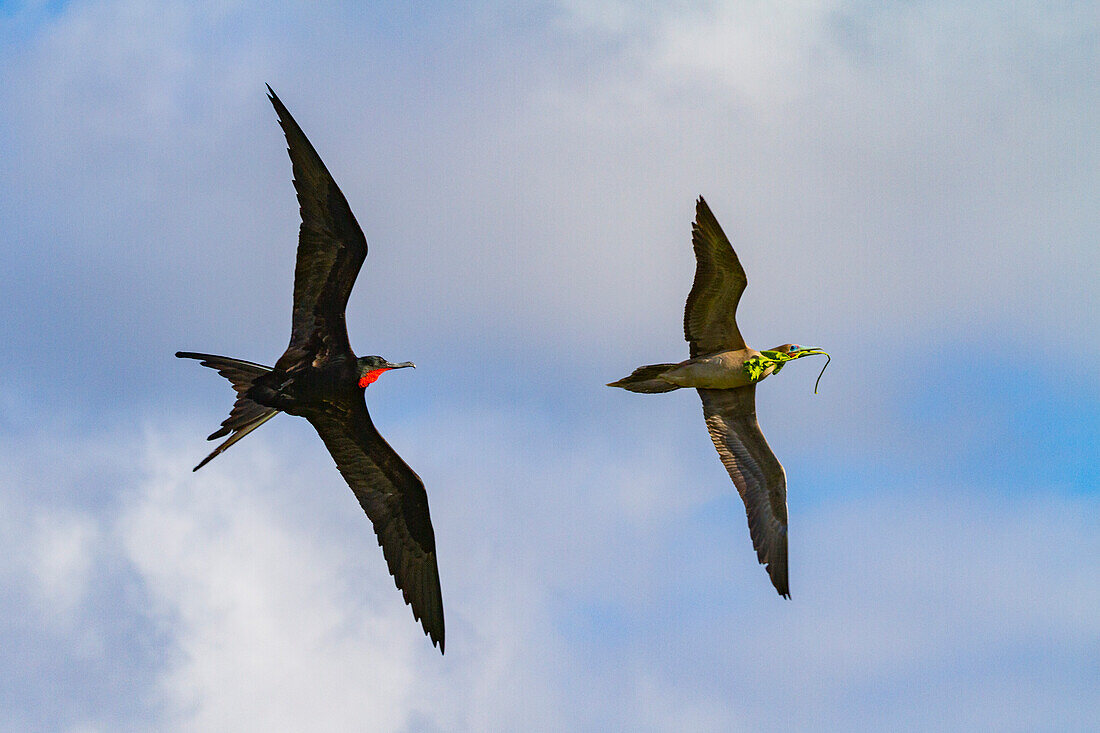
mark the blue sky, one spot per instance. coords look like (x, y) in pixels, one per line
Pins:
(911, 186)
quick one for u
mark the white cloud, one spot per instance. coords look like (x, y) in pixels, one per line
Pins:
(762, 51)
(62, 555)
(275, 619)
(868, 156)
(50, 555)
(889, 176)
(266, 631)
(50, 547)
(570, 605)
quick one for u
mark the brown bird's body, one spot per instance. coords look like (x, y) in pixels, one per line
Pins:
(319, 378)
(725, 371)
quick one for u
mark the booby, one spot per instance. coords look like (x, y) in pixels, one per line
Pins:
(725, 371)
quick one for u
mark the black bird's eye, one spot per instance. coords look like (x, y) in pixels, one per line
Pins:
(794, 347)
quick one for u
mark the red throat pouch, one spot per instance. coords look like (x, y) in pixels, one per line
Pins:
(371, 377)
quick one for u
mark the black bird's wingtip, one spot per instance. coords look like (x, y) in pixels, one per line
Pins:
(277, 103)
(436, 635)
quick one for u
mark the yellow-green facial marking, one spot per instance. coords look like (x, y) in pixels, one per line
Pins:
(777, 358)
(756, 366)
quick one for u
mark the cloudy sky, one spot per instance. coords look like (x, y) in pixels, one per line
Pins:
(912, 186)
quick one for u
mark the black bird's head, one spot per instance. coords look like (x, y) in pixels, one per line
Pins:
(371, 368)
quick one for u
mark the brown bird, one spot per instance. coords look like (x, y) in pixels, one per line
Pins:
(320, 378)
(725, 371)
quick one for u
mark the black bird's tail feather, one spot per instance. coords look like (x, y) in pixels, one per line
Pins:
(647, 379)
(246, 415)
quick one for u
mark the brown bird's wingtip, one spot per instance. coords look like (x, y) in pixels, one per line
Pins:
(782, 588)
(703, 215)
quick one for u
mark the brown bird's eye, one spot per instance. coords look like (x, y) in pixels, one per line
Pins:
(726, 387)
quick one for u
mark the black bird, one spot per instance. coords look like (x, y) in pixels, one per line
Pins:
(320, 378)
(726, 371)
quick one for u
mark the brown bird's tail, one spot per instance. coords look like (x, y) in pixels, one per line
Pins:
(246, 415)
(647, 379)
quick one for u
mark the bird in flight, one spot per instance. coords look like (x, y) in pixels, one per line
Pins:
(725, 371)
(320, 378)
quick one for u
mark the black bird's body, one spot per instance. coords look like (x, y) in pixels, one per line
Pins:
(319, 378)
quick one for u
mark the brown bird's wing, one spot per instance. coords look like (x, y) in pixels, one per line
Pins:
(731, 421)
(710, 317)
(331, 249)
(393, 497)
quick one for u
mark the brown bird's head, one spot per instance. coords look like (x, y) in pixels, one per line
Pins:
(780, 355)
(788, 352)
(371, 368)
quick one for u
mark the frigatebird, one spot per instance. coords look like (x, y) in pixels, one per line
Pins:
(726, 371)
(320, 378)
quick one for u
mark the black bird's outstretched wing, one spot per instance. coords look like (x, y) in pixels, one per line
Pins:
(393, 497)
(710, 316)
(331, 249)
(757, 473)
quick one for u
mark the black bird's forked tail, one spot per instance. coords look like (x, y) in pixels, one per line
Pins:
(246, 415)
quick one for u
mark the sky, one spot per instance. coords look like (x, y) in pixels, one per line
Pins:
(911, 186)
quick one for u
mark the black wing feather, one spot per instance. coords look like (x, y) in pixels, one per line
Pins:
(757, 473)
(710, 316)
(331, 250)
(393, 497)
